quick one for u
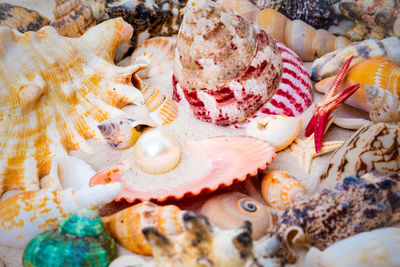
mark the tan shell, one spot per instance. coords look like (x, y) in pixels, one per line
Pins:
(54, 91)
(384, 105)
(21, 18)
(372, 147)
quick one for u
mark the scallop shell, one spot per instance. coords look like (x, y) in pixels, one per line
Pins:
(356, 205)
(225, 67)
(231, 210)
(379, 72)
(62, 88)
(279, 130)
(126, 225)
(29, 213)
(21, 18)
(80, 240)
(374, 248)
(384, 106)
(280, 189)
(122, 133)
(372, 147)
(233, 158)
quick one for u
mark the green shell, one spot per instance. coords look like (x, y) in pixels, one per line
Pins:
(77, 242)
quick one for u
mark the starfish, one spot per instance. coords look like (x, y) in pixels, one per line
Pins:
(304, 149)
(328, 104)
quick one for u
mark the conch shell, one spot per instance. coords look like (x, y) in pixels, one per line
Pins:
(372, 147)
(21, 18)
(356, 205)
(126, 225)
(384, 105)
(61, 90)
(374, 248)
(225, 67)
(29, 213)
(231, 210)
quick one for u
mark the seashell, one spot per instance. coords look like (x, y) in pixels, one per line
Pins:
(355, 205)
(29, 213)
(126, 225)
(21, 18)
(121, 133)
(231, 210)
(226, 70)
(377, 72)
(307, 42)
(330, 64)
(80, 240)
(350, 123)
(231, 158)
(279, 189)
(372, 147)
(67, 172)
(66, 86)
(279, 130)
(156, 152)
(374, 248)
(129, 261)
(384, 106)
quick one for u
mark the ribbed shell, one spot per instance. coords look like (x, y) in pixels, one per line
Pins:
(53, 93)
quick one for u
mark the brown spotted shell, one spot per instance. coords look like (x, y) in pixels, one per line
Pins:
(21, 18)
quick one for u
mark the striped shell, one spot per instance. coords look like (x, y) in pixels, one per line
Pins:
(62, 88)
(126, 225)
(279, 189)
(228, 158)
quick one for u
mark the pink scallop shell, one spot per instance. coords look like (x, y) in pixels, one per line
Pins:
(233, 158)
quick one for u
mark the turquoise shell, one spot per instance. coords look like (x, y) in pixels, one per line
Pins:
(77, 242)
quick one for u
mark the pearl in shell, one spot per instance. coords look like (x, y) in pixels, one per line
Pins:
(156, 152)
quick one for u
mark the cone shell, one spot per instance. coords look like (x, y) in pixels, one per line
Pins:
(231, 158)
(279, 189)
(379, 72)
(29, 213)
(224, 67)
(384, 105)
(78, 241)
(21, 18)
(61, 90)
(231, 210)
(126, 225)
(279, 130)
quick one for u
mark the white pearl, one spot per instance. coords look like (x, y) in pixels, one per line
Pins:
(156, 152)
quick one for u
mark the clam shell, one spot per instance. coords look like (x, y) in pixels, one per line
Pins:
(232, 158)
(126, 225)
(231, 210)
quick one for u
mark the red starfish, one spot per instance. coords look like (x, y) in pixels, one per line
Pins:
(329, 103)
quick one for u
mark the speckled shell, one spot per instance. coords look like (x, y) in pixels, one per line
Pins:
(29, 213)
(231, 210)
(330, 64)
(225, 67)
(375, 248)
(62, 88)
(384, 106)
(379, 72)
(356, 205)
(126, 225)
(21, 18)
(79, 241)
(372, 147)
(279, 189)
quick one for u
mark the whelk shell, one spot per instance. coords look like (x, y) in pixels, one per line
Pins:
(384, 106)
(65, 87)
(231, 210)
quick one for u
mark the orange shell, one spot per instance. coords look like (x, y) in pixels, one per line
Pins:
(233, 158)
(379, 72)
(126, 225)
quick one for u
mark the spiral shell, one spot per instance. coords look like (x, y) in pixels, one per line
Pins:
(126, 225)
(279, 189)
(231, 210)
(384, 105)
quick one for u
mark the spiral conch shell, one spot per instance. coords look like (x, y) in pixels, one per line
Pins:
(29, 213)
(225, 67)
(384, 105)
(280, 189)
(61, 89)
(126, 225)
(231, 210)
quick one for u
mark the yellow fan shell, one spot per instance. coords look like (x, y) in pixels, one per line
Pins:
(279, 189)
(54, 91)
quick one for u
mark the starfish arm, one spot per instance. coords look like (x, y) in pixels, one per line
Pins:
(329, 146)
(338, 80)
(319, 130)
(311, 125)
